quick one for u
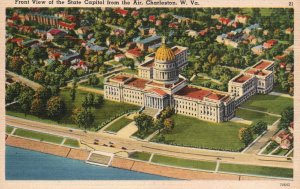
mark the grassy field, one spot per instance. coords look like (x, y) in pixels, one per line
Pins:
(199, 80)
(118, 125)
(98, 86)
(107, 111)
(270, 148)
(193, 132)
(257, 170)
(71, 142)
(268, 103)
(8, 129)
(143, 135)
(130, 71)
(38, 136)
(255, 116)
(280, 152)
(144, 156)
(195, 164)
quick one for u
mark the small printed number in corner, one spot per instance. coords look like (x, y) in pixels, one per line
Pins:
(285, 184)
(291, 4)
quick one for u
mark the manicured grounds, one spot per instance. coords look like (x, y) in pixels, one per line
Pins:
(130, 71)
(268, 103)
(108, 110)
(143, 156)
(98, 86)
(193, 132)
(38, 136)
(8, 129)
(195, 164)
(270, 148)
(119, 124)
(257, 170)
(71, 142)
(255, 116)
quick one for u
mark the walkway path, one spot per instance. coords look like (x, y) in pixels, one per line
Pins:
(128, 130)
(276, 115)
(260, 143)
(240, 120)
(23, 80)
(280, 94)
(207, 77)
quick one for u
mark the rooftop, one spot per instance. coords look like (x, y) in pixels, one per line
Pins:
(256, 72)
(158, 91)
(149, 64)
(262, 65)
(149, 39)
(199, 93)
(137, 82)
(120, 78)
(242, 78)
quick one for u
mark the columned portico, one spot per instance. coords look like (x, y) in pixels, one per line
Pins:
(154, 101)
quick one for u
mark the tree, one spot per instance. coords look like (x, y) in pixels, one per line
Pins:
(25, 99)
(73, 89)
(245, 135)
(143, 122)
(169, 124)
(12, 92)
(55, 108)
(83, 117)
(159, 124)
(99, 101)
(287, 116)
(37, 107)
(93, 80)
(259, 127)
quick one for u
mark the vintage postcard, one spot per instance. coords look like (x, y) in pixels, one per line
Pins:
(149, 93)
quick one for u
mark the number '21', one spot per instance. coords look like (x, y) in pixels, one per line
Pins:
(291, 4)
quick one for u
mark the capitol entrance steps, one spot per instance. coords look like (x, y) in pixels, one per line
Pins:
(151, 111)
(100, 158)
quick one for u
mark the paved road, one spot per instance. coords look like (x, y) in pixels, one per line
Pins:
(131, 144)
(23, 80)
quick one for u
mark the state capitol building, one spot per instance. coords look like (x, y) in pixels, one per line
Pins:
(159, 85)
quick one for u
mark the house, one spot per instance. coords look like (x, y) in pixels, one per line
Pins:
(18, 41)
(215, 16)
(80, 65)
(258, 50)
(282, 65)
(119, 57)
(203, 32)
(145, 43)
(121, 12)
(83, 30)
(266, 32)
(68, 57)
(242, 19)
(284, 139)
(158, 22)
(291, 127)
(151, 18)
(289, 31)
(270, 43)
(134, 53)
(66, 26)
(31, 43)
(55, 34)
(173, 25)
(224, 21)
(192, 33)
(134, 13)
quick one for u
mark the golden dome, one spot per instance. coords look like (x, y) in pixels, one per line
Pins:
(164, 53)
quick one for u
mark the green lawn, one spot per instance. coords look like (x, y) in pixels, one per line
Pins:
(144, 156)
(38, 136)
(255, 116)
(8, 129)
(280, 152)
(257, 170)
(270, 148)
(195, 164)
(268, 103)
(193, 132)
(130, 71)
(143, 135)
(102, 114)
(71, 142)
(118, 125)
(199, 80)
(100, 85)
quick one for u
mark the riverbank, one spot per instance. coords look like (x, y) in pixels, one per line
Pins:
(124, 163)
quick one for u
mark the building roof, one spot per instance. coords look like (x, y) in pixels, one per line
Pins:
(55, 31)
(70, 26)
(149, 64)
(135, 52)
(149, 39)
(137, 83)
(157, 91)
(193, 92)
(164, 53)
(120, 78)
(262, 65)
(242, 78)
(256, 72)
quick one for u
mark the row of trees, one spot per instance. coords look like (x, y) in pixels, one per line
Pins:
(246, 134)
(44, 102)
